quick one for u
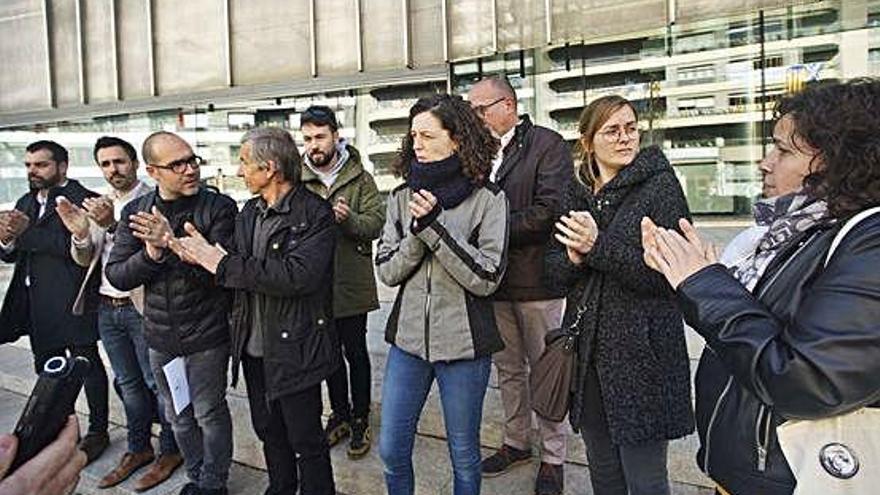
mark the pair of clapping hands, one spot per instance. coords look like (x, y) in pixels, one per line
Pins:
(667, 251)
(12, 224)
(155, 230)
(76, 218)
(674, 255)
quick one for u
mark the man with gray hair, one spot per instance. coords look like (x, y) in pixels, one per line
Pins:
(280, 265)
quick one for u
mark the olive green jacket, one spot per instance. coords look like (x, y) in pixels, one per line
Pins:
(354, 283)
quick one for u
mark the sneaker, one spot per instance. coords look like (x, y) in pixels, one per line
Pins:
(94, 444)
(130, 462)
(336, 430)
(361, 436)
(549, 480)
(504, 460)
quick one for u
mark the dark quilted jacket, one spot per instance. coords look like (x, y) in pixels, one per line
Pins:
(185, 311)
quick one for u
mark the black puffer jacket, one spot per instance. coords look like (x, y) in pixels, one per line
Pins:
(295, 273)
(638, 351)
(185, 311)
(806, 345)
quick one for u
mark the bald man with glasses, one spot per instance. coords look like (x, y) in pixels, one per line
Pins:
(185, 311)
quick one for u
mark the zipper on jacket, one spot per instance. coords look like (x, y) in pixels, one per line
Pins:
(429, 261)
(761, 444)
(712, 421)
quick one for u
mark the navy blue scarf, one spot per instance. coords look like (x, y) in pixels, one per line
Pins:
(444, 179)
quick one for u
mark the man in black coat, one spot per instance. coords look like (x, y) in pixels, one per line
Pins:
(532, 165)
(51, 298)
(185, 311)
(281, 267)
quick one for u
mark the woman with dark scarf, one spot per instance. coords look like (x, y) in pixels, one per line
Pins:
(792, 326)
(444, 246)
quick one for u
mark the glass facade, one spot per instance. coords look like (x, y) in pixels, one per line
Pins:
(704, 89)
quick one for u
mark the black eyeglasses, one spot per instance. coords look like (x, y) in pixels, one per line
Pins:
(179, 166)
(481, 109)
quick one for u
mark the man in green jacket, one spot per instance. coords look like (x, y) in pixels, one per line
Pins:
(333, 170)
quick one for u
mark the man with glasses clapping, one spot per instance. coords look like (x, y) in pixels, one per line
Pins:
(184, 309)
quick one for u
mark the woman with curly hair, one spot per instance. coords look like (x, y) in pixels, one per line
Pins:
(444, 245)
(632, 389)
(792, 327)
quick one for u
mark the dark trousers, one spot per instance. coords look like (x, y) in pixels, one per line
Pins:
(293, 439)
(95, 384)
(619, 469)
(353, 337)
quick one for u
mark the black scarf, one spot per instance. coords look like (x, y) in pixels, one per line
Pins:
(444, 179)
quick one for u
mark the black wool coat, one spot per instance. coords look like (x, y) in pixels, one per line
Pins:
(632, 332)
(46, 280)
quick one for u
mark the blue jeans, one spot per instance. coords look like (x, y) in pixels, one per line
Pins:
(122, 332)
(204, 428)
(462, 387)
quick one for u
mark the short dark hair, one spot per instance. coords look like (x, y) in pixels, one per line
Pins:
(320, 115)
(476, 146)
(111, 141)
(841, 122)
(59, 153)
(277, 145)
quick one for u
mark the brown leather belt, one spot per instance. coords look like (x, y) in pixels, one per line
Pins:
(116, 302)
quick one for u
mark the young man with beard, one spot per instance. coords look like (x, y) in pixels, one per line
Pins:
(120, 324)
(51, 298)
(334, 171)
(185, 313)
(280, 266)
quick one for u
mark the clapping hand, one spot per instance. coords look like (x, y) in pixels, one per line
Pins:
(195, 249)
(341, 210)
(152, 228)
(577, 231)
(100, 210)
(677, 257)
(422, 203)
(73, 217)
(12, 224)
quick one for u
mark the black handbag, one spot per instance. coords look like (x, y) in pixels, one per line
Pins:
(551, 378)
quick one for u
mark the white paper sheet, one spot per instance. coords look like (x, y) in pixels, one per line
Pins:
(175, 373)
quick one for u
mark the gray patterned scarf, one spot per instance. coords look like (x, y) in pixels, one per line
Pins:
(786, 217)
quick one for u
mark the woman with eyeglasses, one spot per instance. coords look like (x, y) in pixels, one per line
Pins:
(444, 245)
(631, 392)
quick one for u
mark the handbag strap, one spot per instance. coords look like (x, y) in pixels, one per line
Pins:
(582, 305)
(849, 225)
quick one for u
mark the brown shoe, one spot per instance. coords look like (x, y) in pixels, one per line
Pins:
(129, 463)
(160, 471)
